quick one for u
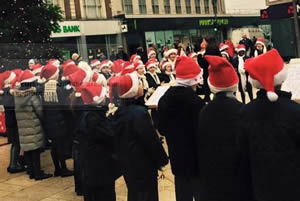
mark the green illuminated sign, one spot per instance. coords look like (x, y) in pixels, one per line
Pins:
(211, 22)
(68, 29)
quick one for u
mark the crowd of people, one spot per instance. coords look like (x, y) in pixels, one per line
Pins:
(220, 149)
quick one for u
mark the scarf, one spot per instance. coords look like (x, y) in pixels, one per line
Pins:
(144, 82)
(50, 94)
(171, 76)
(242, 72)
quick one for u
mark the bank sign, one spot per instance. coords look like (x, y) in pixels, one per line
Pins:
(68, 29)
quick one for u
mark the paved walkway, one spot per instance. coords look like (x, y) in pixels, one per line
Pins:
(18, 187)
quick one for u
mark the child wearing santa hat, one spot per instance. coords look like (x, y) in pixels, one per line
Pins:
(7, 80)
(239, 64)
(217, 133)
(29, 115)
(260, 47)
(99, 166)
(178, 111)
(269, 132)
(140, 153)
(55, 119)
(152, 76)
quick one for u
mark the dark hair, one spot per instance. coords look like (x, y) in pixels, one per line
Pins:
(212, 43)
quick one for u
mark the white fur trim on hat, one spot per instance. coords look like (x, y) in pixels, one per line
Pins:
(225, 46)
(101, 80)
(140, 66)
(84, 66)
(12, 76)
(132, 92)
(152, 65)
(101, 98)
(172, 51)
(224, 52)
(88, 77)
(29, 80)
(192, 81)
(240, 49)
(261, 43)
(38, 70)
(1, 92)
(279, 78)
(77, 94)
(68, 87)
(215, 90)
(96, 63)
(151, 53)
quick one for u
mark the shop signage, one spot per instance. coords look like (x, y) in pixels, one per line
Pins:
(280, 11)
(211, 22)
(68, 29)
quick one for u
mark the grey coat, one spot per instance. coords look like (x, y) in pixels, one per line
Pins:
(29, 114)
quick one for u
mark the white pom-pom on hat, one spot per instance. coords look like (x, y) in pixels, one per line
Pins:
(77, 94)
(272, 96)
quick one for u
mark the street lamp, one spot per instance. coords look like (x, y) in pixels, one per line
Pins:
(215, 8)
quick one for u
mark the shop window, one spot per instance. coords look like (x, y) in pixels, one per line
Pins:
(188, 6)
(128, 6)
(142, 6)
(155, 7)
(198, 6)
(206, 6)
(178, 6)
(167, 6)
(92, 7)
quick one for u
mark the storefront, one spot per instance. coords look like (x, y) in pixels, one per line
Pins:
(165, 32)
(91, 39)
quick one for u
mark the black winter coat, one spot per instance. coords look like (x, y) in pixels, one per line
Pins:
(9, 105)
(270, 144)
(139, 150)
(218, 156)
(178, 111)
(151, 81)
(55, 115)
(97, 145)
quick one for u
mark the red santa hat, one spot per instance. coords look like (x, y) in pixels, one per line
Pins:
(49, 72)
(127, 68)
(225, 53)
(267, 71)
(26, 77)
(54, 62)
(68, 70)
(151, 63)
(93, 93)
(172, 51)
(126, 86)
(5, 80)
(18, 73)
(95, 63)
(188, 72)
(151, 52)
(117, 67)
(166, 53)
(138, 65)
(192, 54)
(165, 64)
(260, 41)
(105, 63)
(134, 58)
(240, 47)
(222, 75)
(99, 79)
(78, 78)
(68, 62)
(37, 68)
(223, 47)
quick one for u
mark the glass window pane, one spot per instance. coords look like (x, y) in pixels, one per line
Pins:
(206, 6)
(198, 6)
(178, 6)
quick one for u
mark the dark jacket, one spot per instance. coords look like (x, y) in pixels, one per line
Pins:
(55, 115)
(138, 147)
(166, 78)
(270, 145)
(151, 81)
(218, 156)
(9, 105)
(178, 113)
(99, 165)
(235, 63)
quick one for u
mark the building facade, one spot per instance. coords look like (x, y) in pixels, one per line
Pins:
(86, 30)
(276, 2)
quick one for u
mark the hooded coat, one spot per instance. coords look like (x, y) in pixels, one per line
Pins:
(269, 142)
(29, 114)
(178, 111)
